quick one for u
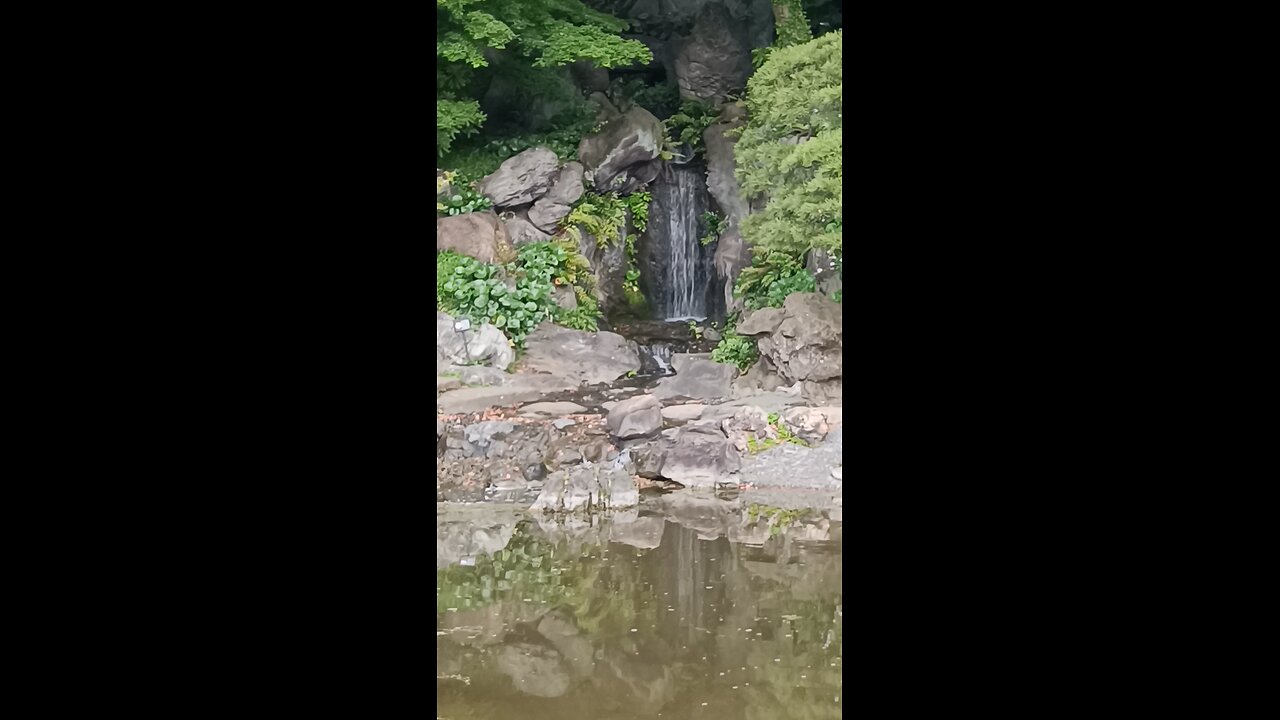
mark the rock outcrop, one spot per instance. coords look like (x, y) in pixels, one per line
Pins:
(599, 357)
(629, 140)
(715, 60)
(522, 178)
(802, 342)
(551, 208)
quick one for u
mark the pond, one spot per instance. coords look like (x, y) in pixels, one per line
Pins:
(713, 611)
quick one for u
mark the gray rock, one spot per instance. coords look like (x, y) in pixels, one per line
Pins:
(635, 417)
(552, 409)
(648, 460)
(563, 423)
(553, 207)
(823, 269)
(584, 357)
(521, 230)
(475, 234)
(447, 382)
(808, 343)
(464, 535)
(808, 424)
(760, 322)
(632, 138)
(586, 488)
(721, 181)
(696, 378)
(683, 413)
(521, 179)
(699, 457)
(479, 374)
(732, 255)
(484, 343)
(716, 60)
(564, 297)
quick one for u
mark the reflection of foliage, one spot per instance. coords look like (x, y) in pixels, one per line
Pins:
(777, 518)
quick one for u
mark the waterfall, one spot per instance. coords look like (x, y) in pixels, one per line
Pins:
(656, 358)
(686, 279)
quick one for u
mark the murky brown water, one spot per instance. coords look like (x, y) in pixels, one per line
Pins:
(639, 619)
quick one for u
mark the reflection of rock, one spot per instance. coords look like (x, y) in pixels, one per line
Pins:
(648, 687)
(644, 533)
(473, 536)
(534, 669)
(561, 630)
(582, 487)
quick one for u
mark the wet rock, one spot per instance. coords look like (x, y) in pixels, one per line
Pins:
(476, 234)
(534, 669)
(633, 138)
(585, 357)
(484, 343)
(585, 488)
(697, 378)
(522, 178)
(635, 417)
(699, 456)
(552, 409)
(808, 424)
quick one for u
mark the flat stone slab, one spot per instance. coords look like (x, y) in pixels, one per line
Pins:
(552, 409)
(519, 389)
(683, 413)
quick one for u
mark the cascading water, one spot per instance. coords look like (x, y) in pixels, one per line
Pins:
(686, 281)
(656, 358)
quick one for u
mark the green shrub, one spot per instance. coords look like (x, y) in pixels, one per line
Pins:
(790, 152)
(734, 349)
(638, 204)
(770, 279)
(687, 125)
(715, 225)
(602, 216)
(463, 200)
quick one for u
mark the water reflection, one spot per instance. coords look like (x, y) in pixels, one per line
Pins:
(675, 617)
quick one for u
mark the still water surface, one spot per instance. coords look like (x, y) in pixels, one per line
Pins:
(641, 619)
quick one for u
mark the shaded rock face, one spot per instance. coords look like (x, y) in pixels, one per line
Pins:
(553, 207)
(804, 344)
(716, 59)
(587, 357)
(697, 378)
(585, 488)
(521, 179)
(476, 234)
(485, 343)
(635, 417)
(608, 269)
(633, 138)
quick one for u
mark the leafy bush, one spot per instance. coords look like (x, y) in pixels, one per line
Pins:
(517, 297)
(687, 125)
(638, 204)
(454, 117)
(790, 151)
(734, 349)
(474, 160)
(792, 25)
(602, 216)
(770, 279)
(463, 200)
(715, 225)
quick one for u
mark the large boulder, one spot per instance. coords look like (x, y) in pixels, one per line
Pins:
(697, 378)
(476, 234)
(484, 343)
(586, 488)
(699, 456)
(633, 138)
(635, 417)
(587, 357)
(553, 207)
(803, 342)
(522, 178)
